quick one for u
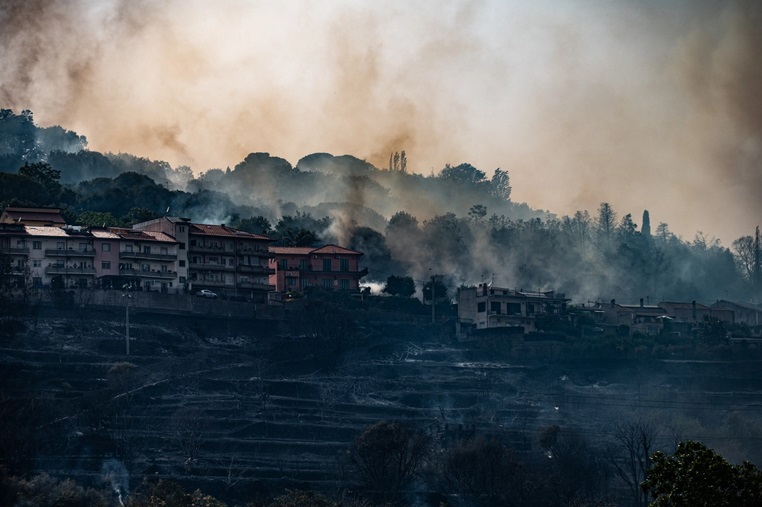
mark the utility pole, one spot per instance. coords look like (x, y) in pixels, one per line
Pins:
(433, 301)
(127, 322)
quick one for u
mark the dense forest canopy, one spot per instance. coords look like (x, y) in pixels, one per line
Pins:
(458, 222)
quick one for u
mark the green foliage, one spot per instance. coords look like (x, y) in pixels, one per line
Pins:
(254, 225)
(462, 174)
(696, 475)
(403, 286)
(98, 219)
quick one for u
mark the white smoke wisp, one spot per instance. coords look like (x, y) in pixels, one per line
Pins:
(115, 473)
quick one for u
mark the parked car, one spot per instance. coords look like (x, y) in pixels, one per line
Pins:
(205, 293)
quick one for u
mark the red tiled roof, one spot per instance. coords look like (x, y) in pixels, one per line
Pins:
(291, 250)
(49, 215)
(223, 230)
(307, 250)
(335, 249)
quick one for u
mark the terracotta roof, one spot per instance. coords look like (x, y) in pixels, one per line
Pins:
(136, 235)
(223, 230)
(308, 250)
(687, 306)
(38, 230)
(291, 250)
(18, 214)
(334, 249)
(160, 236)
(102, 234)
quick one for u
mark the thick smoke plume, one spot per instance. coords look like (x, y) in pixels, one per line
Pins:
(642, 104)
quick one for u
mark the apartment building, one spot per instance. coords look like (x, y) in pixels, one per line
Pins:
(330, 267)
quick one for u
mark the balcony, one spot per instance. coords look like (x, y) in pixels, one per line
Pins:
(63, 270)
(163, 275)
(149, 256)
(62, 252)
(255, 286)
(206, 266)
(212, 283)
(17, 251)
(247, 268)
(210, 249)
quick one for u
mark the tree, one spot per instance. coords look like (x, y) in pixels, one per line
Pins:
(138, 215)
(387, 457)
(43, 174)
(482, 467)
(402, 221)
(606, 223)
(477, 212)
(696, 475)
(463, 173)
(440, 289)
(402, 286)
(98, 219)
(254, 225)
(645, 229)
(630, 455)
(501, 184)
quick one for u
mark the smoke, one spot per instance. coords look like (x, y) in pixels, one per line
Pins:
(115, 473)
(641, 104)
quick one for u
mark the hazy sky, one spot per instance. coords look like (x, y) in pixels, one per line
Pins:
(645, 104)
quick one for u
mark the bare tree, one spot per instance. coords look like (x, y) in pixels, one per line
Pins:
(630, 455)
(188, 430)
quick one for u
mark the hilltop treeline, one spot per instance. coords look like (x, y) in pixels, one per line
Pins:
(456, 222)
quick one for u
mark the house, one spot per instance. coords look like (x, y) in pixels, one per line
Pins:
(61, 257)
(486, 307)
(32, 216)
(693, 312)
(225, 260)
(147, 260)
(330, 267)
(15, 246)
(641, 318)
(743, 313)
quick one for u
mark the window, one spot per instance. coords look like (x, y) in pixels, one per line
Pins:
(494, 307)
(83, 247)
(36, 263)
(326, 264)
(163, 250)
(326, 283)
(106, 247)
(230, 262)
(290, 281)
(145, 267)
(345, 284)
(182, 279)
(180, 228)
(244, 279)
(344, 264)
(128, 248)
(60, 245)
(182, 264)
(513, 308)
(106, 265)
(193, 242)
(481, 307)
(147, 249)
(282, 263)
(305, 283)
(182, 246)
(37, 245)
(303, 264)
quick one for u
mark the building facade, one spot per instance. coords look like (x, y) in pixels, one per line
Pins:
(329, 267)
(488, 308)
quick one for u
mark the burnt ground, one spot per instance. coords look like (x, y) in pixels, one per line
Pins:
(246, 414)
